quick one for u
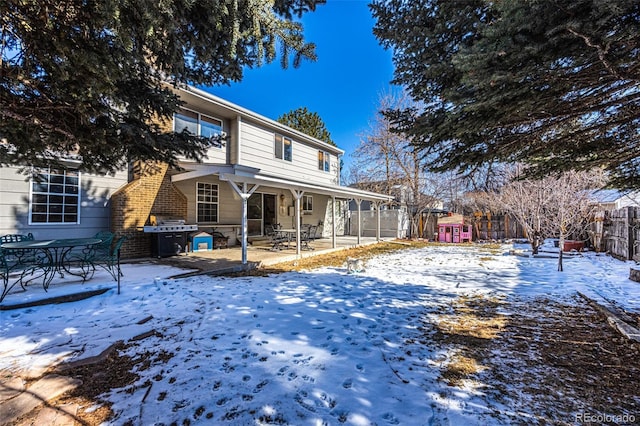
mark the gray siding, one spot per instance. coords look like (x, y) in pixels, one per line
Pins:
(216, 155)
(94, 211)
(258, 151)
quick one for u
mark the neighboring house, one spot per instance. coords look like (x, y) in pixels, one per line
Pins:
(394, 220)
(394, 215)
(265, 173)
(612, 199)
(615, 226)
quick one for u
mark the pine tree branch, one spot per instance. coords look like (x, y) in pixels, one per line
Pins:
(602, 53)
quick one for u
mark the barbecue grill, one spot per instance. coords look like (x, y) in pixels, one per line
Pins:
(170, 235)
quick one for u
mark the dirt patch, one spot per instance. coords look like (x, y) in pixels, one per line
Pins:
(337, 258)
(545, 361)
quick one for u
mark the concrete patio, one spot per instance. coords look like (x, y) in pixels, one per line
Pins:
(259, 253)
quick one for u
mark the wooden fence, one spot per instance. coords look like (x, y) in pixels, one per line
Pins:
(495, 227)
(621, 233)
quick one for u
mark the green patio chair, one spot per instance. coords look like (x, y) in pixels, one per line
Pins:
(106, 258)
(14, 269)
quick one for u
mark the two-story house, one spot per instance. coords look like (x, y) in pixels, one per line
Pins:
(265, 173)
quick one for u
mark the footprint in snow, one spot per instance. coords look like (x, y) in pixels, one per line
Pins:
(199, 412)
(282, 370)
(222, 401)
(260, 385)
(391, 419)
(304, 403)
(347, 384)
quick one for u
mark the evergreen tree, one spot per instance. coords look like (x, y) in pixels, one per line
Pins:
(553, 84)
(90, 78)
(308, 123)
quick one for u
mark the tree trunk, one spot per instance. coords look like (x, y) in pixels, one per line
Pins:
(535, 242)
(561, 248)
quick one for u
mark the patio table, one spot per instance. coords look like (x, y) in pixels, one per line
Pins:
(53, 256)
(287, 235)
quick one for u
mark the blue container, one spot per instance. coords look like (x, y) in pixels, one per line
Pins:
(201, 241)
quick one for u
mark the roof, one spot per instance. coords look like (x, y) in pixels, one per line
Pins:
(250, 175)
(613, 195)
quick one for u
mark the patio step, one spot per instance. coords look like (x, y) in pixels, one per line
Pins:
(45, 389)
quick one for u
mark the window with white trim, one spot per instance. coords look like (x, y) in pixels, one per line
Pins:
(323, 161)
(207, 202)
(55, 197)
(197, 124)
(283, 148)
(307, 204)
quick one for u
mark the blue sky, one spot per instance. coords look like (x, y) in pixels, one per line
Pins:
(342, 86)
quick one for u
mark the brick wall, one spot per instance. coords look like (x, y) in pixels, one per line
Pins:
(150, 192)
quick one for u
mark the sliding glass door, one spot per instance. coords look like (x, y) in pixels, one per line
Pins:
(261, 211)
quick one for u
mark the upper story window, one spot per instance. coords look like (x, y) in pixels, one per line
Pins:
(197, 124)
(323, 161)
(283, 148)
(207, 202)
(55, 197)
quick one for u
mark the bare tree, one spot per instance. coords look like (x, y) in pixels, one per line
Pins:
(572, 205)
(527, 201)
(374, 164)
(555, 206)
(386, 162)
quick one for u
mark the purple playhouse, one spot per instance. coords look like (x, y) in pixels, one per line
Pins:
(451, 229)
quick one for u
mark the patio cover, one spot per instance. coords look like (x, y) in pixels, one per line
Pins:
(246, 180)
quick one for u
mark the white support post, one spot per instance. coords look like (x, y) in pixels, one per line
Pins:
(244, 194)
(376, 205)
(297, 195)
(358, 201)
(333, 222)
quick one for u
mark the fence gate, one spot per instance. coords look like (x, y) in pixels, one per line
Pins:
(622, 232)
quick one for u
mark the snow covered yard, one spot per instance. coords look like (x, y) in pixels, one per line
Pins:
(440, 335)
